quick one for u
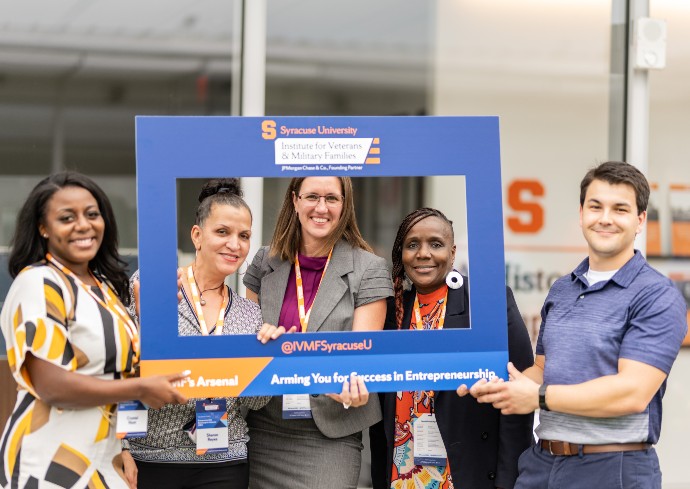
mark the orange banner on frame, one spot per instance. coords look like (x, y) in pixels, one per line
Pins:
(209, 377)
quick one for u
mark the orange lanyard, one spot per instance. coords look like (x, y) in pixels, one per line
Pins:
(418, 315)
(304, 316)
(196, 301)
(419, 324)
(112, 304)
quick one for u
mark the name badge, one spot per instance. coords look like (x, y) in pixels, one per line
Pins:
(428, 444)
(211, 426)
(296, 406)
(132, 420)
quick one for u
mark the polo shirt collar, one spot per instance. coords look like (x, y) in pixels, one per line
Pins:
(623, 277)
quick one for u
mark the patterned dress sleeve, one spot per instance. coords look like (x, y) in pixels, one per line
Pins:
(251, 316)
(35, 320)
(376, 282)
(132, 307)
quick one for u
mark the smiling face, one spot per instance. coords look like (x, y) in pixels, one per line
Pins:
(74, 228)
(610, 222)
(317, 219)
(222, 240)
(428, 254)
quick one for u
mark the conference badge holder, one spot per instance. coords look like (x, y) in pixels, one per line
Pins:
(428, 444)
(296, 406)
(211, 426)
(132, 420)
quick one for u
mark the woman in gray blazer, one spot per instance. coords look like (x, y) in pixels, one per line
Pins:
(317, 275)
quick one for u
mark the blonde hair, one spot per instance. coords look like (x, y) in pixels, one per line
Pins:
(287, 236)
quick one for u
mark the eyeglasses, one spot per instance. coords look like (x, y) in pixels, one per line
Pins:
(331, 200)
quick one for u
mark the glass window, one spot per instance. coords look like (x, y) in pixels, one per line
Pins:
(669, 169)
(74, 75)
(543, 68)
(353, 58)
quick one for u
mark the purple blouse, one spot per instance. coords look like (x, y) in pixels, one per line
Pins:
(312, 270)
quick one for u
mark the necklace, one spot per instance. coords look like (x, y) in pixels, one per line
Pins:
(197, 304)
(201, 294)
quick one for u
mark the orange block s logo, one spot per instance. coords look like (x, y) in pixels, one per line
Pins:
(269, 129)
(532, 219)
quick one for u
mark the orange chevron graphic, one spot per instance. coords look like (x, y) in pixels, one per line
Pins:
(210, 377)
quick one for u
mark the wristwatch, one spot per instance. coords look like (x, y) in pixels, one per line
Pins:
(542, 397)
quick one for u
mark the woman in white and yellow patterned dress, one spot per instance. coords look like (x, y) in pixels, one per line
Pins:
(70, 343)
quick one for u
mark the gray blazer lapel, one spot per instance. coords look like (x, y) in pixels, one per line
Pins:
(273, 287)
(332, 287)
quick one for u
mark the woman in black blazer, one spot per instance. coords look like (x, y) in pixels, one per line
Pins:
(482, 445)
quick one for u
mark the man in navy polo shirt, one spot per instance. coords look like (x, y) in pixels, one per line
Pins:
(610, 333)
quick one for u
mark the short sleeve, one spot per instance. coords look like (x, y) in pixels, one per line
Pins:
(34, 319)
(658, 324)
(252, 279)
(375, 284)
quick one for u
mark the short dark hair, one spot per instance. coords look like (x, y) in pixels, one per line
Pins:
(222, 191)
(28, 246)
(617, 173)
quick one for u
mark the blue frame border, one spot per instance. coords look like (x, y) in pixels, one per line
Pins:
(169, 148)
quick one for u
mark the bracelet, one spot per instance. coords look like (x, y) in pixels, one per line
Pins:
(542, 397)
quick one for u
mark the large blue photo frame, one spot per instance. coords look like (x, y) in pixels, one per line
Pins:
(172, 148)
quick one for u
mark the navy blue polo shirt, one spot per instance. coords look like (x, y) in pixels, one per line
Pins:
(638, 314)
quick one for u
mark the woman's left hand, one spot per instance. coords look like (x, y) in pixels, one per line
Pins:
(130, 469)
(271, 332)
(354, 393)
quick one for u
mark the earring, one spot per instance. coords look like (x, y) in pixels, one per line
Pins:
(454, 279)
(45, 236)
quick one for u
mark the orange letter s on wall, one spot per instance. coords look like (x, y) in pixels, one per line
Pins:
(535, 220)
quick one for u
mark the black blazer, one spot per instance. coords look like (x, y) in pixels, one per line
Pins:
(483, 446)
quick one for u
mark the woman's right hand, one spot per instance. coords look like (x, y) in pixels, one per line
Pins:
(158, 390)
(130, 468)
(271, 332)
(354, 393)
